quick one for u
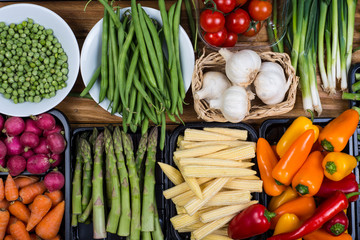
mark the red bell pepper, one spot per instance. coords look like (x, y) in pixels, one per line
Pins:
(326, 210)
(254, 220)
(337, 225)
(346, 185)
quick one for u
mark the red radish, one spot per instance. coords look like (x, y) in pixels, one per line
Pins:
(13, 146)
(1, 122)
(38, 163)
(29, 140)
(56, 143)
(42, 148)
(3, 149)
(45, 121)
(57, 158)
(14, 126)
(54, 181)
(16, 165)
(30, 126)
(57, 129)
(2, 162)
(28, 154)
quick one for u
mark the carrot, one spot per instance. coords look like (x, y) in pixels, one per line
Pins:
(40, 208)
(49, 226)
(33, 236)
(28, 193)
(2, 190)
(57, 237)
(4, 204)
(23, 181)
(18, 231)
(55, 196)
(11, 191)
(4, 220)
(11, 221)
(19, 210)
(8, 237)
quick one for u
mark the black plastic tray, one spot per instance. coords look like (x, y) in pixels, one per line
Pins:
(171, 233)
(273, 129)
(65, 169)
(85, 231)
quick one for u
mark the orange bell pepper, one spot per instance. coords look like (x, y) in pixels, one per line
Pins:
(321, 234)
(338, 165)
(294, 158)
(287, 222)
(286, 196)
(296, 129)
(302, 207)
(336, 133)
(307, 181)
(266, 161)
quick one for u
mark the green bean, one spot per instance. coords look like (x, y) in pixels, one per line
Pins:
(180, 105)
(151, 49)
(111, 13)
(131, 72)
(142, 46)
(177, 48)
(111, 88)
(114, 44)
(124, 117)
(138, 110)
(92, 81)
(149, 113)
(104, 57)
(144, 126)
(190, 16)
(167, 31)
(131, 105)
(157, 42)
(163, 131)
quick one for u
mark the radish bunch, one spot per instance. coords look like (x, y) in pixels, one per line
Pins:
(34, 144)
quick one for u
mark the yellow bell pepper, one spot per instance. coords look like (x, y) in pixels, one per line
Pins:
(286, 196)
(338, 165)
(296, 129)
(287, 222)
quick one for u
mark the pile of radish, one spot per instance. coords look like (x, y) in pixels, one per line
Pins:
(35, 144)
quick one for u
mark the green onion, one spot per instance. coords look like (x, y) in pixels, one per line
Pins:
(323, 11)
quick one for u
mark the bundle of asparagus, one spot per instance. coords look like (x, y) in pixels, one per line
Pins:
(129, 194)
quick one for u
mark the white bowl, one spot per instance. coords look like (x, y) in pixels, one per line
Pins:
(91, 56)
(16, 13)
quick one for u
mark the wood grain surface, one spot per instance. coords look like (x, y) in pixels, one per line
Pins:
(85, 112)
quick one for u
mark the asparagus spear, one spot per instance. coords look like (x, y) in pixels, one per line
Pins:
(157, 233)
(97, 193)
(92, 139)
(85, 150)
(114, 215)
(146, 235)
(141, 152)
(125, 217)
(108, 181)
(76, 183)
(135, 187)
(147, 218)
(86, 213)
(74, 220)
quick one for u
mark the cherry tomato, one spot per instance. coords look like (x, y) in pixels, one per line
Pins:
(253, 29)
(212, 21)
(231, 40)
(240, 2)
(260, 10)
(238, 21)
(225, 6)
(216, 39)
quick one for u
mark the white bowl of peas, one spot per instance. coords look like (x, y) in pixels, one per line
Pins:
(39, 59)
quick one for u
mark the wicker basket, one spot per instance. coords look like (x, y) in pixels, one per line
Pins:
(215, 62)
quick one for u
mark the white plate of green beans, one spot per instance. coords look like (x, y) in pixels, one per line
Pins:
(91, 56)
(39, 63)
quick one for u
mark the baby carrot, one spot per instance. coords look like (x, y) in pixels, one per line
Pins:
(19, 210)
(23, 181)
(49, 226)
(11, 191)
(8, 237)
(4, 204)
(57, 237)
(2, 190)
(11, 221)
(18, 231)
(4, 220)
(39, 209)
(55, 196)
(28, 193)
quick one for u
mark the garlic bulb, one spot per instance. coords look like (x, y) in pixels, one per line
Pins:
(234, 103)
(214, 84)
(270, 84)
(241, 67)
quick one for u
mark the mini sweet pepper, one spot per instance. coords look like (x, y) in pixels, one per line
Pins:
(337, 225)
(286, 196)
(338, 165)
(287, 222)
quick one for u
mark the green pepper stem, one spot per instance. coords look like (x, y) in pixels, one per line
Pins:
(349, 195)
(327, 145)
(330, 167)
(337, 229)
(2, 169)
(269, 215)
(302, 189)
(278, 183)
